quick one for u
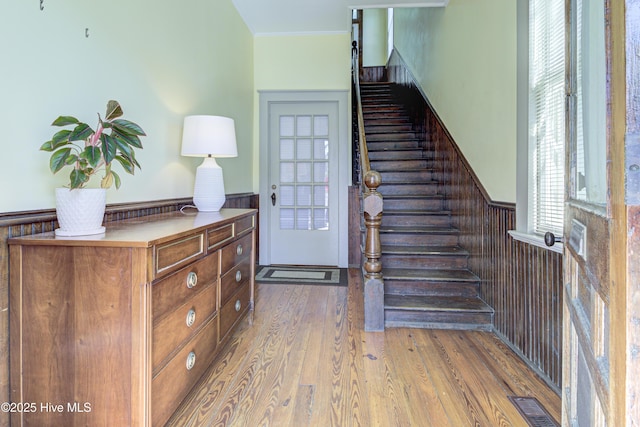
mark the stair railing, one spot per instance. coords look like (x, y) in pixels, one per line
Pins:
(372, 207)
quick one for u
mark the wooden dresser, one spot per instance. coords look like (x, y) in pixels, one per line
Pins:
(115, 329)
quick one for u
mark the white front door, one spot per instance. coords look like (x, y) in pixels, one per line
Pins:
(300, 198)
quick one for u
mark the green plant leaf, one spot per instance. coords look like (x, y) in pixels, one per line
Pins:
(109, 147)
(132, 140)
(64, 121)
(107, 180)
(59, 159)
(127, 127)
(61, 138)
(126, 164)
(116, 179)
(93, 155)
(47, 146)
(80, 132)
(123, 146)
(113, 110)
(78, 178)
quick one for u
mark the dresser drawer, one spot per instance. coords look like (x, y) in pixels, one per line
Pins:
(234, 279)
(178, 325)
(233, 253)
(216, 237)
(171, 385)
(245, 224)
(234, 309)
(174, 290)
(177, 253)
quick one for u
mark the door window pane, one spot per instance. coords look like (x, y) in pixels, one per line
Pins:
(303, 219)
(320, 149)
(321, 219)
(321, 125)
(304, 149)
(321, 195)
(304, 172)
(321, 172)
(286, 172)
(287, 126)
(304, 126)
(286, 149)
(304, 195)
(286, 219)
(287, 195)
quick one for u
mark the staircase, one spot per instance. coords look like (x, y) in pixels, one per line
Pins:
(427, 281)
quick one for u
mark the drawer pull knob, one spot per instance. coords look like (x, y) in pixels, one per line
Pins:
(238, 276)
(192, 280)
(191, 360)
(238, 305)
(239, 250)
(191, 317)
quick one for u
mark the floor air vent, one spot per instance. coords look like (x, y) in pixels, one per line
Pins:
(533, 412)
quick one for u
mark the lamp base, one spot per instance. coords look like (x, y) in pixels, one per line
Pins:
(208, 193)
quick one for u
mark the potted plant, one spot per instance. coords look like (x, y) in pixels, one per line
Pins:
(88, 152)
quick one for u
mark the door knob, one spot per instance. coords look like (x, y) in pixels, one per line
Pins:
(273, 199)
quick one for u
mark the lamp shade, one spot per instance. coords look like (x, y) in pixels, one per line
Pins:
(209, 136)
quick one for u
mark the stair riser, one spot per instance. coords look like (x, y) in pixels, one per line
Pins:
(437, 262)
(406, 239)
(435, 220)
(399, 119)
(386, 115)
(390, 136)
(387, 128)
(429, 288)
(400, 155)
(426, 204)
(397, 165)
(408, 189)
(437, 320)
(417, 176)
(382, 146)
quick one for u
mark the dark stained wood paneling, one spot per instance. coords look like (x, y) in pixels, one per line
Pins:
(523, 283)
(373, 74)
(14, 224)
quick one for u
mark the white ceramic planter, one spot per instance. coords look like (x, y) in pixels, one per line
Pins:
(81, 211)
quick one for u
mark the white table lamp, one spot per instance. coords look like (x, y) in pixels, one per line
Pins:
(209, 137)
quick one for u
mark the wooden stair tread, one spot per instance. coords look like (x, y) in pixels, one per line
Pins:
(436, 303)
(458, 275)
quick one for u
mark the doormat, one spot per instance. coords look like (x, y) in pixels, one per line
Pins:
(533, 412)
(304, 275)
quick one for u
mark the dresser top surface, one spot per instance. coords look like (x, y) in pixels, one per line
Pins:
(143, 231)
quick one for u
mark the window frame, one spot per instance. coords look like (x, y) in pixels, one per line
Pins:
(525, 176)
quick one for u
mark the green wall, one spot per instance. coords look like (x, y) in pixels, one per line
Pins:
(299, 63)
(161, 60)
(374, 37)
(464, 57)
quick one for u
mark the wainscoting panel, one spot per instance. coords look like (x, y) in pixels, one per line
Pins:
(523, 283)
(15, 224)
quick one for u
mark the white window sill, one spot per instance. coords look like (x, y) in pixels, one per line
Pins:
(535, 240)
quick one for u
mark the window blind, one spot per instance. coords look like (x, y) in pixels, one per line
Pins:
(547, 113)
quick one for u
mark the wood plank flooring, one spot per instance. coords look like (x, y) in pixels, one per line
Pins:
(306, 361)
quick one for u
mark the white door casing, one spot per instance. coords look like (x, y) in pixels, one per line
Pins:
(304, 164)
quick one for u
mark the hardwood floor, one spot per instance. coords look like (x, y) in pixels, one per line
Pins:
(306, 361)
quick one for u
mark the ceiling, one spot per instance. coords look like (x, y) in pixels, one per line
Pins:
(264, 17)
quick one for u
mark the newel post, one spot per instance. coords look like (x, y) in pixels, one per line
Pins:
(373, 283)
